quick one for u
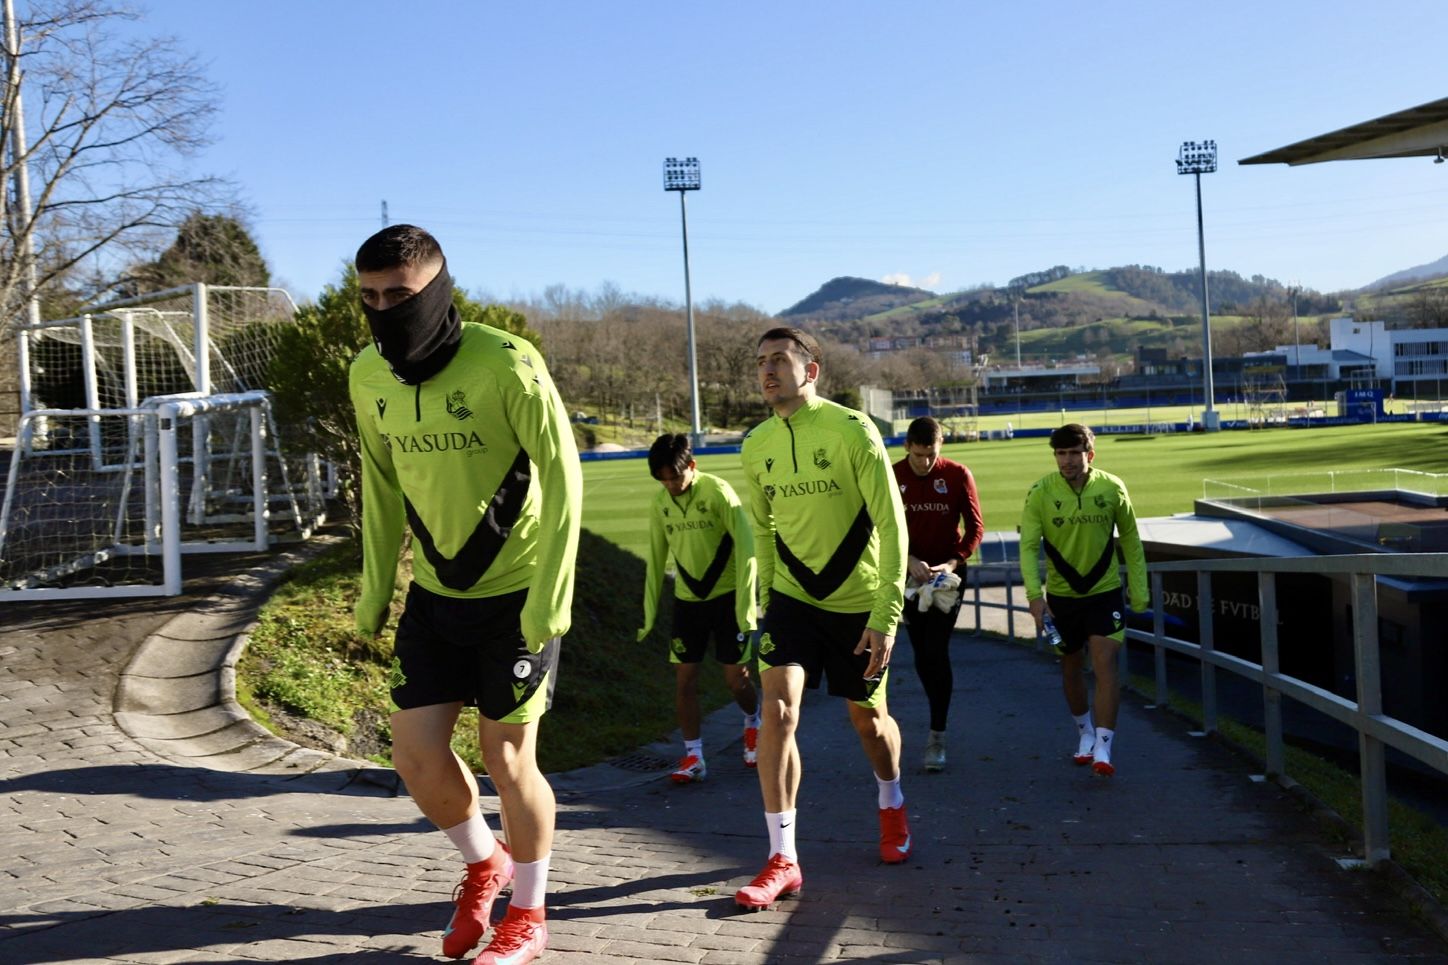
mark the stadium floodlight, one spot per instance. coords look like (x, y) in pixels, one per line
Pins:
(1197, 158)
(682, 175)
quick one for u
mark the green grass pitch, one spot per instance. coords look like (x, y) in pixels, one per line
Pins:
(1164, 473)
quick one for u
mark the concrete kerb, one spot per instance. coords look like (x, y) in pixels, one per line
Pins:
(177, 698)
(177, 695)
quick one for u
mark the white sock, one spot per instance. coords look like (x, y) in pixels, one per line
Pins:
(1102, 750)
(1083, 723)
(752, 720)
(693, 748)
(530, 883)
(890, 794)
(781, 834)
(473, 838)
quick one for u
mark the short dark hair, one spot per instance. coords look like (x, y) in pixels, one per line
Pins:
(803, 339)
(924, 431)
(672, 450)
(1073, 434)
(398, 246)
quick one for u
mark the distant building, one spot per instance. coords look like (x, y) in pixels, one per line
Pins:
(1410, 362)
(956, 347)
(999, 379)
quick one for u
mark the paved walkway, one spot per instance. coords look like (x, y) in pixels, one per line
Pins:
(112, 851)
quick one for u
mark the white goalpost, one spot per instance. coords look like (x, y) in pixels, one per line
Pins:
(145, 434)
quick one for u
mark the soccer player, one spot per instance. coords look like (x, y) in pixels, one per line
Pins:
(829, 535)
(939, 494)
(697, 520)
(466, 442)
(1076, 515)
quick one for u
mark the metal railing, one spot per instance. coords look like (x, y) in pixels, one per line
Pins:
(1376, 731)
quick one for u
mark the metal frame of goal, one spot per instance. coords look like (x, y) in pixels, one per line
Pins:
(168, 445)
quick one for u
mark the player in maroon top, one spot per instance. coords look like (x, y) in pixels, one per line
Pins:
(938, 494)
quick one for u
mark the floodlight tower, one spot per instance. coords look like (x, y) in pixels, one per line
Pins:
(1294, 290)
(1198, 158)
(682, 175)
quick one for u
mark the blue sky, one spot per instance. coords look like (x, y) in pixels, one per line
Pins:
(952, 144)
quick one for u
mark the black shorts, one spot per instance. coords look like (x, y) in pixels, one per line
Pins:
(1080, 617)
(450, 648)
(696, 621)
(823, 643)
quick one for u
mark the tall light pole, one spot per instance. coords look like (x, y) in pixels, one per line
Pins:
(1016, 306)
(1198, 158)
(682, 175)
(1296, 339)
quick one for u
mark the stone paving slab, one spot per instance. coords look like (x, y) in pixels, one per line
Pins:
(112, 854)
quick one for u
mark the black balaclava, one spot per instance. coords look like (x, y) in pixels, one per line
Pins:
(419, 336)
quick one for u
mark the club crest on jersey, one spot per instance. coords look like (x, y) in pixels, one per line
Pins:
(669, 529)
(457, 406)
(769, 493)
(940, 486)
(820, 460)
(1058, 521)
(1100, 502)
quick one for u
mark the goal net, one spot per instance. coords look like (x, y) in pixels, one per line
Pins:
(92, 505)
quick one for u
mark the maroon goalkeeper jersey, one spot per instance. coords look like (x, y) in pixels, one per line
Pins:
(935, 505)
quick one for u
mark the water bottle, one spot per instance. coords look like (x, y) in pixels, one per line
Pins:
(1050, 633)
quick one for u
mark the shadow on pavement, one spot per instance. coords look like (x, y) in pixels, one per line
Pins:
(170, 782)
(155, 930)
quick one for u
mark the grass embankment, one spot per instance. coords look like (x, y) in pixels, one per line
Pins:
(613, 694)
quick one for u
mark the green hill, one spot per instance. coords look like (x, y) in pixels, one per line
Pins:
(847, 297)
(1059, 313)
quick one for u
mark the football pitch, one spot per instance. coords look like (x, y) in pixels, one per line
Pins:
(1235, 410)
(1164, 473)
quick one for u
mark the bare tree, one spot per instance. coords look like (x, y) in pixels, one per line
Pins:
(1428, 307)
(1266, 323)
(728, 339)
(109, 124)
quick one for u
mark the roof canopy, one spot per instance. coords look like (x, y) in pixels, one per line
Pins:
(1416, 132)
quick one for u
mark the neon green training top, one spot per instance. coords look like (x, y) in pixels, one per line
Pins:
(708, 536)
(829, 527)
(1076, 531)
(479, 462)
